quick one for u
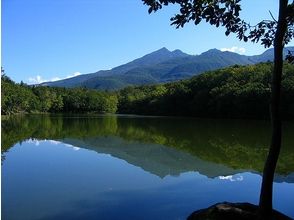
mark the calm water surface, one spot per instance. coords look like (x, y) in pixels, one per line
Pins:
(128, 167)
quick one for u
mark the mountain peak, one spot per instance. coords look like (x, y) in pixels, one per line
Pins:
(161, 66)
(158, 56)
(211, 52)
(162, 50)
(178, 52)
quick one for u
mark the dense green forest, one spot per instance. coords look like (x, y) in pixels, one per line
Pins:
(233, 92)
(18, 98)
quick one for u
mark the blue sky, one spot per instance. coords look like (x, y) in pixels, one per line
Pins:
(55, 39)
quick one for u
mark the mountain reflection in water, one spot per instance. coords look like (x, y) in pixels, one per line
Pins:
(130, 167)
(161, 145)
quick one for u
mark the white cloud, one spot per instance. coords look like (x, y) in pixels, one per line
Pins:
(37, 142)
(55, 79)
(240, 50)
(66, 145)
(36, 80)
(73, 75)
(54, 142)
(33, 141)
(231, 178)
(39, 79)
(72, 147)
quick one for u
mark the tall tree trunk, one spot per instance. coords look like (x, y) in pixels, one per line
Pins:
(265, 202)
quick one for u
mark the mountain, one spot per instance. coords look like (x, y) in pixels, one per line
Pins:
(268, 55)
(161, 66)
(151, 59)
(114, 78)
(146, 156)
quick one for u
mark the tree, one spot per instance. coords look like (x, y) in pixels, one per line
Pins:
(273, 32)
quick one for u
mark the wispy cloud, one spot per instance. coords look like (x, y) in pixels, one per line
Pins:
(74, 74)
(55, 79)
(240, 50)
(37, 142)
(39, 79)
(33, 141)
(36, 79)
(232, 178)
(72, 147)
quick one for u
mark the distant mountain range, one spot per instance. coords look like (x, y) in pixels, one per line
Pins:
(161, 66)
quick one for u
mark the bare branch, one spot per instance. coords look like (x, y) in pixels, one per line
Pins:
(272, 16)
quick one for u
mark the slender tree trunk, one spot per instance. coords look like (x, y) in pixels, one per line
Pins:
(265, 202)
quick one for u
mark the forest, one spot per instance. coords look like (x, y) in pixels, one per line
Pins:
(233, 92)
(21, 98)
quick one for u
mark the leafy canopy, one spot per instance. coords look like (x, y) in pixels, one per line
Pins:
(226, 13)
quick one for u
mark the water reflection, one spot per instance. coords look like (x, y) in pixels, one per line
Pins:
(113, 167)
(163, 146)
(238, 177)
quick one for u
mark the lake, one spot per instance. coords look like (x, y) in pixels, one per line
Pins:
(132, 167)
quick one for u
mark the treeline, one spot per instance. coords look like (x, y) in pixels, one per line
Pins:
(21, 98)
(234, 92)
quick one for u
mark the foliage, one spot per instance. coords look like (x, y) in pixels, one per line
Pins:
(273, 32)
(226, 13)
(234, 92)
(18, 98)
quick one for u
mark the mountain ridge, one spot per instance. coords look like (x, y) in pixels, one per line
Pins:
(161, 66)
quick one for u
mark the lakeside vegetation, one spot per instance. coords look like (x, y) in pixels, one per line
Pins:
(21, 98)
(233, 92)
